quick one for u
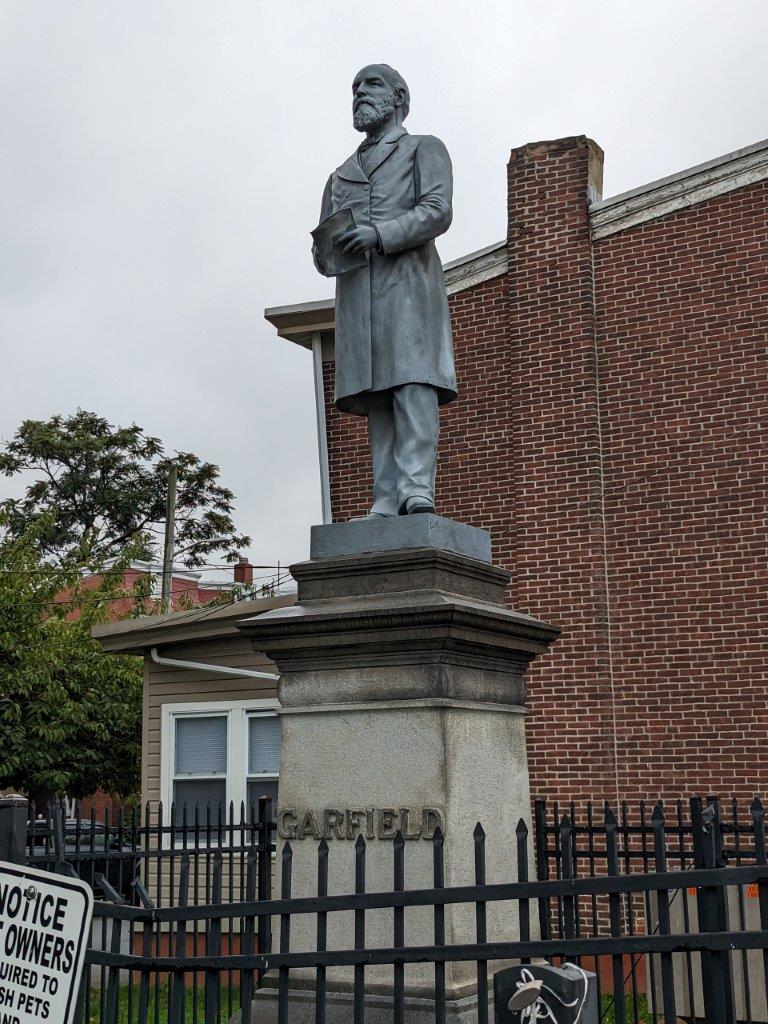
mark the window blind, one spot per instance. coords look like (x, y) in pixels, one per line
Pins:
(264, 733)
(258, 788)
(203, 797)
(201, 745)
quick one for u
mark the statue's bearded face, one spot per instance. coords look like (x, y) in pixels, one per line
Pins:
(373, 100)
(368, 114)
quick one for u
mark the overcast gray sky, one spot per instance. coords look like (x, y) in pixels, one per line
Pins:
(163, 160)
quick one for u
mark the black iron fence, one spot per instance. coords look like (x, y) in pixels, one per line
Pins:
(670, 911)
(140, 860)
(688, 836)
(730, 824)
(140, 850)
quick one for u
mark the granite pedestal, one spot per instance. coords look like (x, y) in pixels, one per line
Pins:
(402, 703)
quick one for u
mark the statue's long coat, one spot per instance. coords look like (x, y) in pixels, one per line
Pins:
(392, 321)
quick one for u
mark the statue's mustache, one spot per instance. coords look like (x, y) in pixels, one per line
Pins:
(372, 109)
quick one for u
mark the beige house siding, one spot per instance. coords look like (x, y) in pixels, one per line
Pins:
(164, 685)
(207, 636)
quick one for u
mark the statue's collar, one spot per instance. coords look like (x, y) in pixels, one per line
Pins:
(394, 134)
(351, 169)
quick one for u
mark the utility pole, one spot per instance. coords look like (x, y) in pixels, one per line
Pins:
(170, 536)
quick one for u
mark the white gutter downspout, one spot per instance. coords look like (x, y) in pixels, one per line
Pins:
(220, 670)
(322, 437)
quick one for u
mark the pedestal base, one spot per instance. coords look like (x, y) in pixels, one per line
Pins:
(460, 1007)
(373, 769)
(402, 705)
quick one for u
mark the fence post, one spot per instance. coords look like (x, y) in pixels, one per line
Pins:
(285, 934)
(147, 927)
(264, 878)
(358, 993)
(13, 828)
(246, 975)
(178, 980)
(481, 935)
(399, 930)
(614, 911)
(569, 901)
(662, 905)
(542, 865)
(757, 812)
(322, 931)
(715, 964)
(524, 904)
(213, 947)
(438, 862)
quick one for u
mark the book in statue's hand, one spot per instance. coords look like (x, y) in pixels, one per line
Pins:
(329, 258)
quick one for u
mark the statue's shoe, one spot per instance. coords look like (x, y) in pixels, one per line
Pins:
(372, 516)
(416, 506)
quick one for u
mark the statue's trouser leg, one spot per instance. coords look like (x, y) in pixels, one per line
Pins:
(381, 434)
(417, 429)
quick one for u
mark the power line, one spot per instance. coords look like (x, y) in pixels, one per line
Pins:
(147, 572)
(202, 585)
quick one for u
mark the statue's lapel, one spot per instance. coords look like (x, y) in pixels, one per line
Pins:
(385, 148)
(350, 170)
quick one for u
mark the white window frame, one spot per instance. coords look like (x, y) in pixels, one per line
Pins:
(237, 713)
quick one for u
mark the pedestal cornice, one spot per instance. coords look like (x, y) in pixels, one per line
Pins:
(366, 629)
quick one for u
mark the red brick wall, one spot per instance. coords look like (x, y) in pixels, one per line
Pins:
(608, 434)
(100, 803)
(683, 315)
(554, 466)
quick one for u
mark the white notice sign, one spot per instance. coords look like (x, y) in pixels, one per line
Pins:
(45, 922)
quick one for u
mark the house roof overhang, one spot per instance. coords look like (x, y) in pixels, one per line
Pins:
(137, 636)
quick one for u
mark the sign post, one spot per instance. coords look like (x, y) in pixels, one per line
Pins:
(45, 922)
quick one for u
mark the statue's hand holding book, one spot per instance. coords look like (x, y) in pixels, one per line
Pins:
(329, 257)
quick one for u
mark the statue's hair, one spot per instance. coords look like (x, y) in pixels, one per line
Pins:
(397, 81)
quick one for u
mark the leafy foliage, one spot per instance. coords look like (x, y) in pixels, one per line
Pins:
(98, 487)
(70, 715)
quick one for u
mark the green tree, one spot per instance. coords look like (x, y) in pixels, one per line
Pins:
(70, 715)
(98, 487)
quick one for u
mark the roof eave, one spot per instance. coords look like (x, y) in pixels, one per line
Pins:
(136, 636)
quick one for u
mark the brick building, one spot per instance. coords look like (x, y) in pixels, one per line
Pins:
(188, 589)
(610, 433)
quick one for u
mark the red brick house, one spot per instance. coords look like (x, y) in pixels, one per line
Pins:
(188, 589)
(610, 433)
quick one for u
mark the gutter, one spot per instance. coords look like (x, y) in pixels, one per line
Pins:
(220, 670)
(322, 436)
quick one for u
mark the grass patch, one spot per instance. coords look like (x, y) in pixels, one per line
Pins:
(608, 1010)
(194, 1006)
(158, 1009)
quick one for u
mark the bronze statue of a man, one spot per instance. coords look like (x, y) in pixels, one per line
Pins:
(394, 349)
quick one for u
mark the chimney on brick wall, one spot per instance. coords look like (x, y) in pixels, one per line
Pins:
(243, 571)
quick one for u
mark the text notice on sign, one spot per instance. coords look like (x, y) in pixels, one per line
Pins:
(44, 927)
